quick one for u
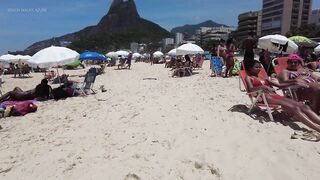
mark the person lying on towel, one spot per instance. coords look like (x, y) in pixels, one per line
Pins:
(40, 92)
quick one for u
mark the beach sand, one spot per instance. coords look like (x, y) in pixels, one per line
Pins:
(169, 128)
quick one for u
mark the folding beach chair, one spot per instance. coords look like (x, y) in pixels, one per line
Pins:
(256, 96)
(89, 80)
(279, 64)
(216, 65)
(199, 63)
(262, 74)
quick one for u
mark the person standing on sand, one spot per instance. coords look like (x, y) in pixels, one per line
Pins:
(248, 45)
(129, 59)
(230, 57)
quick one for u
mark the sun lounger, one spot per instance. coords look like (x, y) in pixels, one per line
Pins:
(256, 97)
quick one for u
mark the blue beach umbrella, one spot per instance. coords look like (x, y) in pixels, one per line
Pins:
(92, 56)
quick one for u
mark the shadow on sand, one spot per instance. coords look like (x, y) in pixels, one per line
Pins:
(262, 116)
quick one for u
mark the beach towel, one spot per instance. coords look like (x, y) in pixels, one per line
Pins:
(20, 108)
(236, 67)
(217, 65)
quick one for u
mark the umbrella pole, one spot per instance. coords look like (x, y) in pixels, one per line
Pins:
(58, 76)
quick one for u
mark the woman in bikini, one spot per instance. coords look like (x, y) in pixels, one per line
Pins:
(229, 57)
(296, 75)
(299, 111)
(221, 53)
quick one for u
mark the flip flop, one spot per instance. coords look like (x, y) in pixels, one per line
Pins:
(311, 136)
(307, 136)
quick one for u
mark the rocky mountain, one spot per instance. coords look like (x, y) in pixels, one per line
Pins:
(191, 29)
(120, 26)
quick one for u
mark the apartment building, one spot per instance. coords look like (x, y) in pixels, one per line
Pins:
(315, 17)
(249, 22)
(280, 16)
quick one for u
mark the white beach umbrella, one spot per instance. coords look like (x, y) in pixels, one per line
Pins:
(173, 52)
(53, 56)
(136, 55)
(122, 53)
(277, 44)
(157, 54)
(8, 58)
(189, 48)
(112, 54)
(23, 57)
(317, 49)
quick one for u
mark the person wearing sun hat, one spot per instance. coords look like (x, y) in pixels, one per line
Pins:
(296, 73)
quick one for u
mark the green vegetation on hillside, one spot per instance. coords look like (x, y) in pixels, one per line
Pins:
(141, 32)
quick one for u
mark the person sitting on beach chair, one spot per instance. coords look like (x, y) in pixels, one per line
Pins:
(300, 111)
(122, 62)
(180, 70)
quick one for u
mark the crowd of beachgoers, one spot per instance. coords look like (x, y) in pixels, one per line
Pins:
(145, 103)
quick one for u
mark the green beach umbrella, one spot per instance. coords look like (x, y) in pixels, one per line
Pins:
(303, 41)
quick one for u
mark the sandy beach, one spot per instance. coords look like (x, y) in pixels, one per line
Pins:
(170, 128)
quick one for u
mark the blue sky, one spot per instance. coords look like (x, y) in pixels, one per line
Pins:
(25, 22)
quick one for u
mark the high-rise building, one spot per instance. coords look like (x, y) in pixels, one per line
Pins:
(205, 34)
(179, 39)
(315, 17)
(167, 41)
(280, 16)
(249, 22)
(134, 47)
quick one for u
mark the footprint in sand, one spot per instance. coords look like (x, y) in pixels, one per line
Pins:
(132, 177)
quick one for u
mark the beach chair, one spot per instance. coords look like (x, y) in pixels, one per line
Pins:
(279, 64)
(216, 65)
(256, 96)
(89, 80)
(262, 74)
(199, 63)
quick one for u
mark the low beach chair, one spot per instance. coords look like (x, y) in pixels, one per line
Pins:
(257, 96)
(279, 64)
(89, 80)
(199, 63)
(262, 74)
(216, 65)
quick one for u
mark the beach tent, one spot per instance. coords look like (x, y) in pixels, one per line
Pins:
(189, 48)
(92, 56)
(277, 44)
(122, 53)
(53, 56)
(73, 64)
(157, 54)
(173, 52)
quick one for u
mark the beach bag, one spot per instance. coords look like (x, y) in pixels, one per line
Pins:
(23, 108)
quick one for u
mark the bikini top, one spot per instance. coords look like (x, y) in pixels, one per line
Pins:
(256, 82)
(308, 77)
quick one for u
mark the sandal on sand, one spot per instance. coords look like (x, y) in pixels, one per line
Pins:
(307, 136)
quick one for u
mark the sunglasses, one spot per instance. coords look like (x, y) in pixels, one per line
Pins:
(293, 62)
